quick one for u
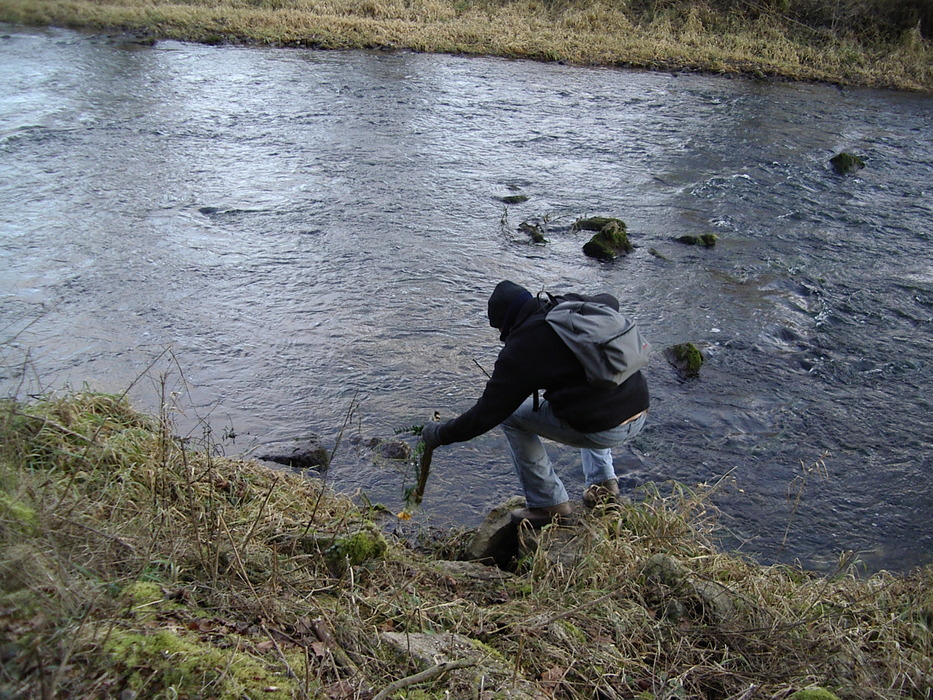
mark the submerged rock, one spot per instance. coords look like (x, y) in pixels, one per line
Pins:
(708, 240)
(514, 199)
(302, 458)
(845, 163)
(391, 449)
(533, 231)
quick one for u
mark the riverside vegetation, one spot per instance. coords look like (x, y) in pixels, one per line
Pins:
(133, 565)
(883, 43)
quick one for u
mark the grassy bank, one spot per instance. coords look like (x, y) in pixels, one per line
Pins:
(134, 566)
(864, 42)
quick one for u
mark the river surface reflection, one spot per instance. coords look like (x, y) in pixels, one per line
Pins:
(314, 234)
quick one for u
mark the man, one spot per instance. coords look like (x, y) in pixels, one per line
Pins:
(570, 410)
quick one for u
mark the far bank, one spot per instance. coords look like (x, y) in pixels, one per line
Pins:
(870, 50)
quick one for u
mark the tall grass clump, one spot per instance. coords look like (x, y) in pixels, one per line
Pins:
(134, 565)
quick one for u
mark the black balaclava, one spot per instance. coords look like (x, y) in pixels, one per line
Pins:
(506, 300)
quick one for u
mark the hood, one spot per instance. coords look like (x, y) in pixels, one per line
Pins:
(506, 300)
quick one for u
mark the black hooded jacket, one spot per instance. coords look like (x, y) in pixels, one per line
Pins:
(535, 358)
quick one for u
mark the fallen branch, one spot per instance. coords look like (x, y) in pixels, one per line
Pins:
(426, 675)
(423, 470)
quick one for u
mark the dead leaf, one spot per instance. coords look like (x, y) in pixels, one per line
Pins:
(341, 690)
(553, 676)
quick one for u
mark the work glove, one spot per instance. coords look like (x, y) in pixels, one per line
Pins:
(430, 433)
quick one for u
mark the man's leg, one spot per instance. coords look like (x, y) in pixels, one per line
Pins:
(602, 486)
(597, 465)
(540, 482)
(542, 485)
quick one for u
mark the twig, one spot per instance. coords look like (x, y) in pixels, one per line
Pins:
(57, 426)
(426, 675)
(115, 538)
(482, 368)
(69, 649)
(243, 573)
(262, 507)
(518, 660)
(340, 657)
(320, 495)
(288, 668)
(424, 469)
(541, 622)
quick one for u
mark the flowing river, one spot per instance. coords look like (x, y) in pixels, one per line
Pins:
(291, 243)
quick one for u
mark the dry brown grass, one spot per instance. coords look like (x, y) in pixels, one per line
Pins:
(130, 561)
(660, 35)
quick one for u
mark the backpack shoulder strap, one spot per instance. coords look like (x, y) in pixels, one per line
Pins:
(548, 301)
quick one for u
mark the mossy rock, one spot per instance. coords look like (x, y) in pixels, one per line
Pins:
(664, 569)
(609, 243)
(186, 667)
(845, 163)
(533, 231)
(686, 357)
(596, 223)
(707, 240)
(356, 548)
(815, 693)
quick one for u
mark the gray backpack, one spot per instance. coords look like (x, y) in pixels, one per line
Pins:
(606, 342)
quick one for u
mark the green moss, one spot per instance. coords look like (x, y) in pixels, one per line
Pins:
(355, 549)
(573, 631)
(687, 358)
(489, 651)
(167, 662)
(845, 163)
(22, 515)
(596, 223)
(611, 242)
(143, 593)
(813, 694)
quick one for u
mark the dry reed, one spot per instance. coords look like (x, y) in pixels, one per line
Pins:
(132, 562)
(869, 44)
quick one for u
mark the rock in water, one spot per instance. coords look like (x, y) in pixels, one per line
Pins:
(845, 163)
(609, 243)
(686, 357)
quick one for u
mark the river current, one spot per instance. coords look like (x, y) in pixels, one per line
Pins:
(294, 243)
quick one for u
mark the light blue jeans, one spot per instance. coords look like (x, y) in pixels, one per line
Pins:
(524, 430)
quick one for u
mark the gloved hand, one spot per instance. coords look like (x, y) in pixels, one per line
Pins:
(430, 433)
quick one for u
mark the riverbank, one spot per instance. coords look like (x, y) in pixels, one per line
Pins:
(868, 49)
(134, 565)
